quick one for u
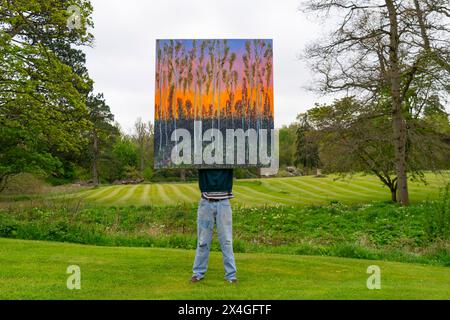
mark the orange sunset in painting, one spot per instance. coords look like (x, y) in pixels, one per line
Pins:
(212, 78)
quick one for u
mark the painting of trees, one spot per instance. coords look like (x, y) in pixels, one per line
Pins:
(224, 83)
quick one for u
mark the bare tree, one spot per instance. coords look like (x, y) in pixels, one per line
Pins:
(385, 50)
(230, 78)
(141, 133)
(201, 79)
(268, 74)
(224, 50)
(212, 72)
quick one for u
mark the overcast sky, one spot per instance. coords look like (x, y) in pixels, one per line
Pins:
(122, 61)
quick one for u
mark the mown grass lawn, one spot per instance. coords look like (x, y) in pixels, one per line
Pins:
(306, 190)
(37, 270)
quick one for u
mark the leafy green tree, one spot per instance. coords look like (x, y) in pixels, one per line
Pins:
(102, 133)
(42, 96)
(355, 137)
(307, 149)
(125, 158)
(143, 137)
(287, 137)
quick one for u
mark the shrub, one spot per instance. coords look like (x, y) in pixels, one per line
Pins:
(437, 217)
(379, 230)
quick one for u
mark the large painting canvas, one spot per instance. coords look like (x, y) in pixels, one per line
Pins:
(213, 103)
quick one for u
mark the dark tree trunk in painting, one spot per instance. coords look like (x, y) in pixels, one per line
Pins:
(206, 82)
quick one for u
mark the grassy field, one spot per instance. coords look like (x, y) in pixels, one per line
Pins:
(305, 190)
(288, 235)
(37, 270)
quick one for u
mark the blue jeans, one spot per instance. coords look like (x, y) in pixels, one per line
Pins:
(220, 213)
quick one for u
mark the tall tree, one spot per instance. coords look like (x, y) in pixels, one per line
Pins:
(287, 138)
(307, 149)
(102, 128)
(159, 79)
(201, 79)
(43, 85)
(143, 134)
(385, 50)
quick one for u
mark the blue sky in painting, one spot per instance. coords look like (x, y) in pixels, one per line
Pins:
(236, 45)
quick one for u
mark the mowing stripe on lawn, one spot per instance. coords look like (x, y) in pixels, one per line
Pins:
(193, 195)
(357, 184)
(76, 194)
(194, 190)
(130, 193)
(112, 194)
(272, 186)
(140, 192)
(253, 199)
(301, 189)
(438, 180)
(341, 189)
(420, 186)
(273, 191)
(245, 199)
(145, 196)
(290, 191)
(179, 194)
(378, 187)
(262, 196)
(293, 192)
(375, 181)
(162, 194)
(105, 191)
(304, 196)
(86, 194)
(330, 194)
(311, 195)
(96, 193)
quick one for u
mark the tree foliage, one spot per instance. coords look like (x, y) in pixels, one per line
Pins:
(307, 147)
(42, 87)
(356, 138)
